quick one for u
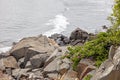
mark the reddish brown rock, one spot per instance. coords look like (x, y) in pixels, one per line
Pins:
(70, 75)
(5, 76)
(84, 67)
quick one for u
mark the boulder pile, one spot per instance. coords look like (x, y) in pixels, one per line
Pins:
(41, 58)
(77, 37)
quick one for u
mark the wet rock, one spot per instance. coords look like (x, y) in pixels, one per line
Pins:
(79, 34)
(60, 39)
(110, 69)
(78, 37)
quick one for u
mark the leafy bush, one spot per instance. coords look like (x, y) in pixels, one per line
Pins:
(98, 48)
(88, 77)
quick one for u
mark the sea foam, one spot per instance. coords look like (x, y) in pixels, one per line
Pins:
(59, 23)
(4, 49)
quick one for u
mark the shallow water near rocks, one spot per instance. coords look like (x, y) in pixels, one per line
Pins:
(22, 18)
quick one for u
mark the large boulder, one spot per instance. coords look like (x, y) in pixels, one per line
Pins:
(79, 34)
(31, 46)
(8, 62)
(110, 69)
(38, 61)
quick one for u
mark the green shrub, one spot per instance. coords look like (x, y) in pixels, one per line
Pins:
(88, 77)
(98, 48)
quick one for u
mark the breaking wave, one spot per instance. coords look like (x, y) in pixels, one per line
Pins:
(59, 23)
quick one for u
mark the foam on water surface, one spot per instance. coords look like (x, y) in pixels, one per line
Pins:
(59, 23)
(5, 49)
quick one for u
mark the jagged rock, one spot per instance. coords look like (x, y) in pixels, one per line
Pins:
(51, 57)
(53, 76)
(77, 42)
(28, 74)
(8, 62)
(90, 74)
(5, 76)
(84, 67)
(60, 39)
(53, 66)
(57, 53)
(79, 34)
(70, 75)
(8, 71)
(64, 67)
(17, 73)
(111, 52)
(31, 46)
(78, 37)
(57, 67)
(110, 69)
(86, 71)
(36, 74)
(38, 61)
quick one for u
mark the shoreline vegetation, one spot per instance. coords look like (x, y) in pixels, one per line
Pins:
(82, 56)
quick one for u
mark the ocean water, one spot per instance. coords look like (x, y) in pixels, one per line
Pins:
(22, 18)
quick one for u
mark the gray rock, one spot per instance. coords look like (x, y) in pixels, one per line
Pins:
(57, 67)
(53, 66)
(38, 61)
(111, 52)
(16, 73)
(31, 46)
(60, 39)
(64, 67)
(79, 34)
(36, 74)
(110, 69)
(8, 62)
(8, 71)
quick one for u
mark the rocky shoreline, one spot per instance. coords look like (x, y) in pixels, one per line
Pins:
(40, 58)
